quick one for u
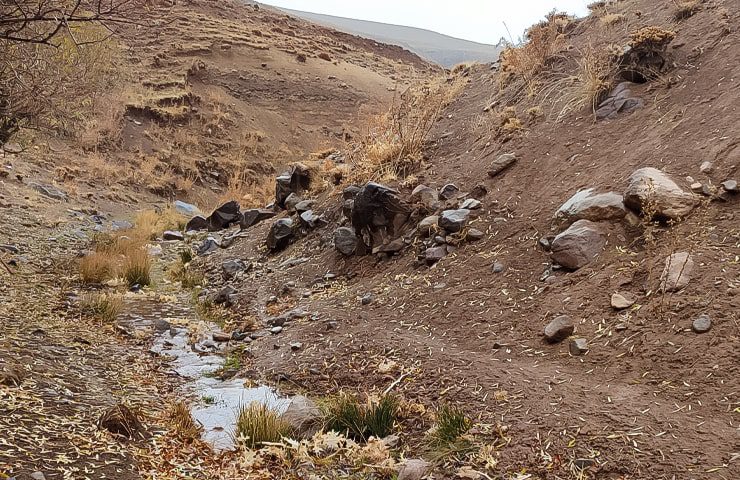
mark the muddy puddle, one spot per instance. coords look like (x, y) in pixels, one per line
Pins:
(214, 403)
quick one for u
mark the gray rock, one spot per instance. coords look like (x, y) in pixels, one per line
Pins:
(347, 207)
(38, 476)
(295, 346)
(367, 299)
(588, 205)
(620, 301)
(677, 272)
(13, 148)
(186, 209)
(730, 186)
(224, 295)
(501, 163)
(474, 235)
(696, 187)
(291, 201)
(651, 188)
(393, 246)
(231, 268)
(479, 191)
(304, 205)
(454, 220)
(224, 216)
(173, 235)
(221, 337)
(311, 220)
(254, 216)
(280, 234)
(414, 469)
(379, 214)
(197, 223)
(209, 245)
(578, 245)
(448, 191)
(559, 329)
(49, 191)
(161, 326)
(426, 196)
(434, 254)
(544, 243)
(428, 225)
(350, 192)
(578, 346)
(297, 179)
(706, 167)
(276, 330)
(702, 324)
(303, 416)
(498, 267)
(618, 101)
(471, 204)
(118, 225)
(345, 240)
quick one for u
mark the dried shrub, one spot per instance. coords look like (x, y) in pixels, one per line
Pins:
(104, 307)
(612, 19)
(182, 421)
(646, 57)
(121, 420)
(97, 267)
(686, 9)
(137, 268)
(257, 424)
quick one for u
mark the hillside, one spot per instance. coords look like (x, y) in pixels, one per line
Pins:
(530, 271)
(432, 46)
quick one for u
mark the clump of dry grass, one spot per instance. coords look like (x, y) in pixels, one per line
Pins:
(612, 19)
(392, 147)
(543, 42)
(182, 421)
(595, 77)
(97, 267)
(103, 306)
(686, 9)
(137, 268)
(257, 424)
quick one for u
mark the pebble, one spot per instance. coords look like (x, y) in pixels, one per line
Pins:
(620, 301)
(331, 325)
(367, 299)
(38, 476)
(296, 346)
(498, 267)
(559, 329)
(702, 324)
(276, 330)
(578, 346)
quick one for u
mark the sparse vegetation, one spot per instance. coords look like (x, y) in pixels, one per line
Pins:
(137, 268)
(686, 9)
(346, 415)
(97, 267)
(103, 306)
(258, 424)
(452, 423)
(182, 421)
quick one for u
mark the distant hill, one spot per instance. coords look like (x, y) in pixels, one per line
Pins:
(442, 49)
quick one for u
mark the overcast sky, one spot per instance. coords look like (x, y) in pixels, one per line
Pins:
(477, 20)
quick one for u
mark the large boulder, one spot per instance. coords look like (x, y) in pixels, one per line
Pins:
(254, 216)
(677, 272)
(578, 245)
(197, 223)
(454, 220)
(224, 216)
(303, 417)
(588, 205)
(379, 213)
(652, 191)
(280, 234)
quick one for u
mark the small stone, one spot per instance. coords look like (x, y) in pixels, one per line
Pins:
(38, 476)
(702, 324)
(221, 337)
(413, 469)
(276, 330)
(186, 209)
(240, 336)
(434, 254)
(280, 234)
(391, 441)
(291, 201)
(620, 327)
(426, 196)
(578, 245)
(230, 268)
(621, 301)
(677, 272)
(224, 295)
(696, 187)
(173, 235)
(428, 225)
(473, 235)
(578, 346)
(209, 245)
(296, 346)
(498, 267)
(706, 167)
(331, 325)
(544, 243)
(559, 329)
(448, 191)
(303, 206)
(454, 220)
(367, 299)
(471, 204)
(345, 240)
(730, 186)
(501, 163)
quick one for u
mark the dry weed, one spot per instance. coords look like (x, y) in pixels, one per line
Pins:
(104, 307)
(137, 268)
(182, 421)
(686, 9)
(612, 19)
(97, 267)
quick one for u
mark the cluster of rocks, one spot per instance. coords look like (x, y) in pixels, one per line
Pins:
(620, 100)
(227, 215)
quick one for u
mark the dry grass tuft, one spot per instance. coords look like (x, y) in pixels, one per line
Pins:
(182, 421)
(104, 307)
(97, 267)
(686, 9)
(612, 19)
(258, 424)
(376, 418)
(137, 268)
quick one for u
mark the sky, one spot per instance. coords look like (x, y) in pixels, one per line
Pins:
(477, 20)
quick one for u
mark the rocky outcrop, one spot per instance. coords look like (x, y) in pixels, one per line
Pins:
(578, 245)
(297, 179)
(588, 205)
(652, 191)
(254, 216)
(224, 216)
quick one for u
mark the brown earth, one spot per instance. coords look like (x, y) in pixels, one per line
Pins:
(651, 399)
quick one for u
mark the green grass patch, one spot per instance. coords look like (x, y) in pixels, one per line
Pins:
(257, 424)
(345, 414)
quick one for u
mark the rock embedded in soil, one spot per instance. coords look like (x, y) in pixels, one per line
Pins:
(578, 346)
(225, 295)
(280, 234)
(345, 240)
(730, 186)
(655, 191)
(224, 216)
(254, 216)
(706, 167)
(471, 204)
(559, 329)
(310, 220)
(221, 337)
(702, 324)
(501, 163)
(49, 191)
(391, 247)
(303, 416)
(230, 268)
(434, 254)
(426, 196)
(473, 235)
(620, 301)
(428, 225)
(304, 206)
(197, 223)
(173, 235)
(587, 205)
(291, 202)
(578, 245)
(276, 330)
(498, 267)
(448, 191)
(454, 220)
(677, 272)
(414, 469)
(367, 299)
(121, 420)
(186, 209)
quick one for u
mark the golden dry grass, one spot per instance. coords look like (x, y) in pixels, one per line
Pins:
(103, 306)
(182, 421)
(612, 19)
(257, 424)
(137, 268)
(97, 267)
(686, 9)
